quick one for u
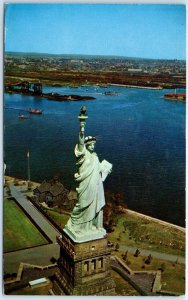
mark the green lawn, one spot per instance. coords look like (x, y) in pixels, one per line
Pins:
(141, 233)
(19, 232)
(60, 218)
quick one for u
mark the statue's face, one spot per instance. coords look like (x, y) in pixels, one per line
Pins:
(91, 146)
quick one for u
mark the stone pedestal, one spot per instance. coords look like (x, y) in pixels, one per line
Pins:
(84, 268)
(89, 235)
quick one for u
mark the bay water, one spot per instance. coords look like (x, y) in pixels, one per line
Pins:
(139, 132)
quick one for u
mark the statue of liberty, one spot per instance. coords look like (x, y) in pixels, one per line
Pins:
(86, 221)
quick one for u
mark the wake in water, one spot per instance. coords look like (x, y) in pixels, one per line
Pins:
(16, 108)
(124, 105)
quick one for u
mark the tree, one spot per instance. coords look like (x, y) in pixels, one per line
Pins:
(117, 247)
(148, 259)
(162, 267)
(53, 260)
(137, 253)
(125, 255)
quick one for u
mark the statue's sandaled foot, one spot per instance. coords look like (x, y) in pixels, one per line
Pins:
(93, 228)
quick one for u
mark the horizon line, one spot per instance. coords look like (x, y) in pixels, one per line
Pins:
(101, 55)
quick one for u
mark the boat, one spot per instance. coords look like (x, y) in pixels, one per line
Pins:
(22, 117)
(103, 86)
(111, 93)
(58, 97)
(176, 96)
(35, 111)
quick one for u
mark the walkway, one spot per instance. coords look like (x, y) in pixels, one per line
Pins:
(160, 255)
(40, 255)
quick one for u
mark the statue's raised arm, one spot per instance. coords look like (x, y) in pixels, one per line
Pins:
(81, 140)
(82, 117)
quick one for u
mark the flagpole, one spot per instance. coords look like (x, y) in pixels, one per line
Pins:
(28, 170)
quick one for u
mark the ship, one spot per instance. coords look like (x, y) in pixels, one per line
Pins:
(175, 96)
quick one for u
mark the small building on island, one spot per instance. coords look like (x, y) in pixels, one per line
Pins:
(53, 193)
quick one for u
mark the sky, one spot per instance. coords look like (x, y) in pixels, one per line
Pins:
(143, 30)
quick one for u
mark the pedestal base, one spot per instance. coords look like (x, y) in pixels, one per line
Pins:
(100, 287)
(84, 268)
(80, 237)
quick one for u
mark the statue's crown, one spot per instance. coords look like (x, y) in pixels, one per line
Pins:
(89, 139)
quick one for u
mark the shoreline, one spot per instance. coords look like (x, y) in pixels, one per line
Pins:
(161, 222)
(127, 211)
(136, 86)
(11, 80)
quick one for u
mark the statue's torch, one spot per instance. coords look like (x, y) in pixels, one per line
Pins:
(82, 117)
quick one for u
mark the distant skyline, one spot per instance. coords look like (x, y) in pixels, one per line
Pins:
(155, 31)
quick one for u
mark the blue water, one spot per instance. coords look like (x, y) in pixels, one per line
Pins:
(140, 133)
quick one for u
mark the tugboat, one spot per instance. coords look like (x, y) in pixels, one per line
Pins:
(35, 111)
